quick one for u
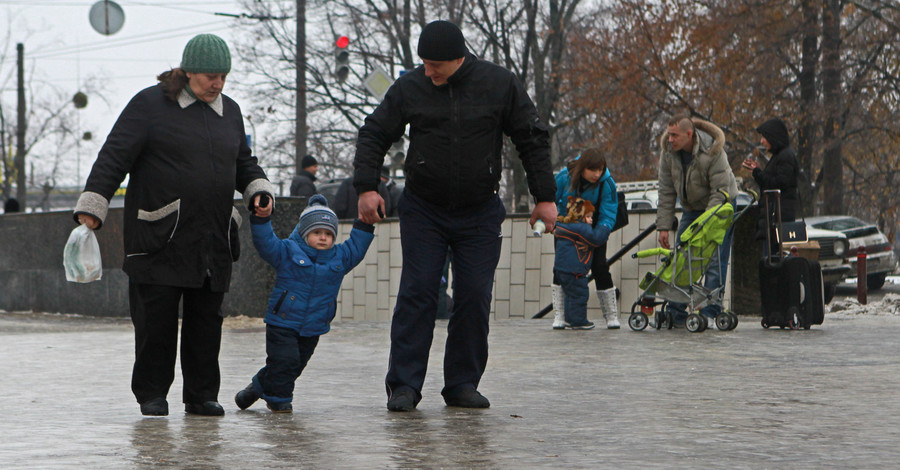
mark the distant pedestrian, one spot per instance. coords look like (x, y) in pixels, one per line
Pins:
(304, 183)
(182, 144)
(310, 268)
(346, 199)
(694, 169)
(11, 206)
(781, 172)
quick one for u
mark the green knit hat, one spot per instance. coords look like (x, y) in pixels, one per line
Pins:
(206, 53)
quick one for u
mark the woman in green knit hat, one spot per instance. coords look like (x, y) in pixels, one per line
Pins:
(182, 144)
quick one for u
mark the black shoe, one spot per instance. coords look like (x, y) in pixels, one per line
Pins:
(467, 398)
(155, 407)
(280, 407)
(403, 399)
(207, 408)
(584, 326)
(246, 397)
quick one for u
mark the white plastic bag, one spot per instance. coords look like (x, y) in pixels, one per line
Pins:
(81, 256)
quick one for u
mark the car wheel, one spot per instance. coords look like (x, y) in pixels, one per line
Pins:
(875, 281)
(829, 293)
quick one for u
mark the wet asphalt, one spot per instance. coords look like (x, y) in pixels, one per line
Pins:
(745, 399)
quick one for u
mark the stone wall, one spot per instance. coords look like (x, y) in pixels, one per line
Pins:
(32, 277)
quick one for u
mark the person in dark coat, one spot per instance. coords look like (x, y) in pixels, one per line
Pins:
(304, 183)
(458, 108)
(346, 199)
(781, 172)
(11, 206)
(183, 145)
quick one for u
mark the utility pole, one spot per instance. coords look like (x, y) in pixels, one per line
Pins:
(300, 65)
(20, 128)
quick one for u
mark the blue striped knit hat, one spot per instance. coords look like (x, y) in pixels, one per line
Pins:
(317, 215)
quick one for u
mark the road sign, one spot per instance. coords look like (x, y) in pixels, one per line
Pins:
(378, 82)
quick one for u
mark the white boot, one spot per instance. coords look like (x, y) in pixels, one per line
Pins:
(559, 307)
(610, 307)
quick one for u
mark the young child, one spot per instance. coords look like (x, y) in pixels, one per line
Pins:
(581, 246)
(310, 268)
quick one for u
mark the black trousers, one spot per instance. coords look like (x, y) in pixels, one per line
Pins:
(154, 313)
(426, 233)
(287, 354)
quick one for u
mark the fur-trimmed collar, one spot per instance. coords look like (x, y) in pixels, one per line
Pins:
(709, 137)
(186, 99)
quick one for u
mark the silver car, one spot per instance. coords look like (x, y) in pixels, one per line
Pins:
(880, 258)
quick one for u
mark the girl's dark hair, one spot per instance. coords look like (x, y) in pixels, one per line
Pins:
(173, 81)
(590, 159)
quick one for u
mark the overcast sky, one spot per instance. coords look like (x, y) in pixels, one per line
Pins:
(64, 49)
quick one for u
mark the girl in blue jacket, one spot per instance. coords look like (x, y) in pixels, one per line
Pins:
(310, 268)
(581, 246)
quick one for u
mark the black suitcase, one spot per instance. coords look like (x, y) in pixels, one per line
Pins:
(791, 291)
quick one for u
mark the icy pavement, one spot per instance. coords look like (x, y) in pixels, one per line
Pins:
(746, 399)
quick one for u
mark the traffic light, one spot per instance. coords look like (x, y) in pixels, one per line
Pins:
(341, 59)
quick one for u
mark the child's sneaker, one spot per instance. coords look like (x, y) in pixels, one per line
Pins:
(280, 407)
(585, 326)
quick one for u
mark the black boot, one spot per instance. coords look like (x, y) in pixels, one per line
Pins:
(155, 407)
(246, 397)
(207, 408)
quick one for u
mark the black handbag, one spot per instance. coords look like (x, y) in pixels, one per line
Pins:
(793, 232)
(621, 212)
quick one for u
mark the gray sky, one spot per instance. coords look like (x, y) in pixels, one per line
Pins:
(64, 49)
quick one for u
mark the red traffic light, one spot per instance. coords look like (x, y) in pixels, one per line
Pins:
(342, 42)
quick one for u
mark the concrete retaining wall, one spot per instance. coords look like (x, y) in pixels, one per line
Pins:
(32, 277)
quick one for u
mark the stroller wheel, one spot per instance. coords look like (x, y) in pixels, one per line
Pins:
(638, 321)
(695, 323)
(734, 320)
(765, 324)
(723, 321)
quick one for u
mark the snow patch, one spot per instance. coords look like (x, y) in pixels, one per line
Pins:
(888, 306)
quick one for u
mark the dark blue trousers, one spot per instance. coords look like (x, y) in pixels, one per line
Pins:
(287, 354)
(426, 232)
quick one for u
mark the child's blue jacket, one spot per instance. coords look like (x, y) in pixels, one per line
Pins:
(308, 280)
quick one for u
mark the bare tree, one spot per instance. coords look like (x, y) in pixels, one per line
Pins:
(526, 37)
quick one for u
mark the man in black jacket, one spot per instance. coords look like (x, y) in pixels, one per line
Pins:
(458, 108)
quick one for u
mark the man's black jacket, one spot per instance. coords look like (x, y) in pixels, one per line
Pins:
(456, 135)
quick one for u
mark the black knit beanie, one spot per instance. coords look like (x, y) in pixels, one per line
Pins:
(308, 161)
(441, 41)
(776, 133)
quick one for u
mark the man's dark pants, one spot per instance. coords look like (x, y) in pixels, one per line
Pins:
(154, 313)
(426, 232)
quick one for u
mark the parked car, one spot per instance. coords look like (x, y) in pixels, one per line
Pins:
(648, 198)
(832, 256)
(880, 258)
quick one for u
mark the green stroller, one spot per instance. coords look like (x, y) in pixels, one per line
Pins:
(680, 277)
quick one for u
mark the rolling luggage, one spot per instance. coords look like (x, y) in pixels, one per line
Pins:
(791, 290)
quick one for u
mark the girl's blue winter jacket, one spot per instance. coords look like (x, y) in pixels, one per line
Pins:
(308, 280)
(606, 209)
(575, 242)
